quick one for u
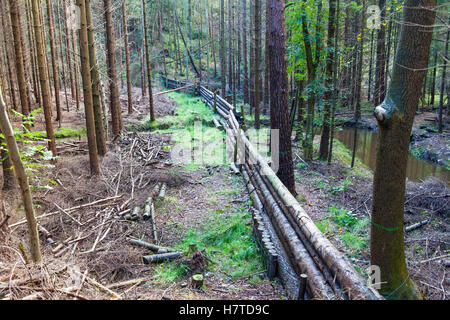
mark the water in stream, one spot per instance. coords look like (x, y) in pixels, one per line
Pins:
(417, 169)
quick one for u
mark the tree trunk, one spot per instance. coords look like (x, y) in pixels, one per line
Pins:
(96, 86)
(116, 110)
(43, 75)
(245, 51)
(87, 90)
(279, 113)
(7, 130)
(18, 50)
(395, 119)
(51, 31)
(127, 57)
(325, 138)
(443, 82)
(257, 71)
(380, 89)
(149, 66)
(222, 48)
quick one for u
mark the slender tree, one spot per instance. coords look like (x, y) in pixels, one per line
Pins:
(331, 52)
(127, 56)
(222, 47)
(96, 86)
(147, 61)
(51, 31)
(43, 75)
(115, 108)
(7, 130)
(18, 50)
(87, 90)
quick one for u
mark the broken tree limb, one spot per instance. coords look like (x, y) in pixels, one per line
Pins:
(83, 206)
(162, 193)
(151, 246)
(416, 225)
(169, 91)
(148, 209)
(155, 258)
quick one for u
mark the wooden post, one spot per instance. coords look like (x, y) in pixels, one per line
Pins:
(302, 287)
(215, 101)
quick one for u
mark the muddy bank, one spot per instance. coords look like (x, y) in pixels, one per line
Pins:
(426, 142)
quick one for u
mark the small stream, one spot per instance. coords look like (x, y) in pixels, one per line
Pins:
(417, 169)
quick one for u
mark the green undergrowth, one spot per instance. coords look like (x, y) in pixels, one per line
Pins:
(343, 155)
(349, 229)
(229, 243)
(64, 133)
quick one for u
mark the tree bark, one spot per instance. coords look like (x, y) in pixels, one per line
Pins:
(127, 57)
(43, 75)
(51, 31)
(395, 119)
(96, 86)
(325, 138)
(18, 50)
(279, 113)
(147, 60)
(116, 110)
(7, 130)
(87, 90)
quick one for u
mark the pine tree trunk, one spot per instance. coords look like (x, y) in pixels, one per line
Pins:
(127, 57)
(257, 71)
(96, 86)
(87, 90)
(379, 92)
(43, 75)
(147, 60)
(115, 108)
(279, 113)
(443, 84)
(51, 31)
(222, 48)
(18, 50)
(325, 138)
(245, 49)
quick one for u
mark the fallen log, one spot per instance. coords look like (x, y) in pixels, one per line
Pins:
(151, 246)
(169, 91)
(148, 209)
(155, 258)
(162, 193)
(416, 225)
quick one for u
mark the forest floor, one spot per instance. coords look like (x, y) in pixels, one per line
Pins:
(339, 199)
(91, 258)
(205, 205)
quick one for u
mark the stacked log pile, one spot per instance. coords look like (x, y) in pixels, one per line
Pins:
(323, 272)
